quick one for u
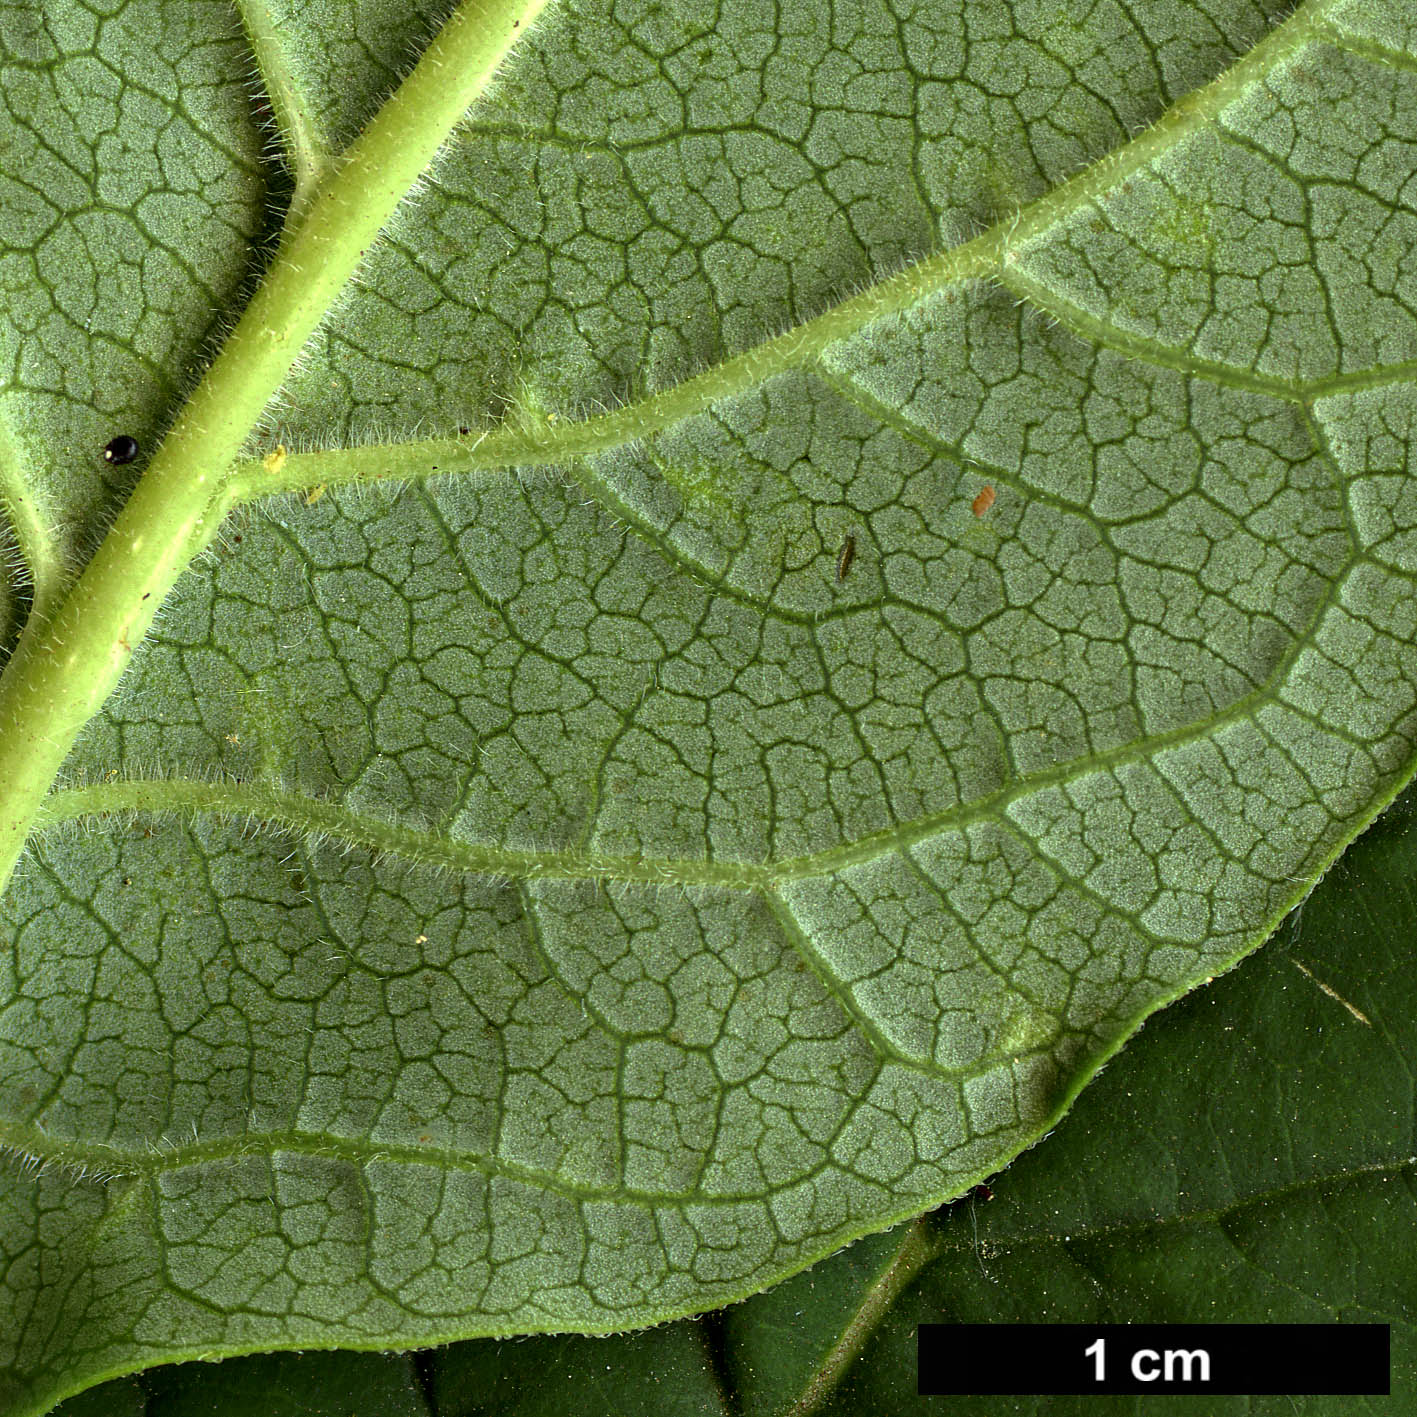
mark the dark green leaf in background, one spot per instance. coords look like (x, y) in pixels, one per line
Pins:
(265, 1385)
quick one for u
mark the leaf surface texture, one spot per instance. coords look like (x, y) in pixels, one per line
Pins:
(535, 877)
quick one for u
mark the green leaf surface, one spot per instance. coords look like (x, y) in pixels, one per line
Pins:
(893, 560)
(1284, 1195)
(668, 1370)
(1253, 1162)
(1251, 1159)
(265, 1385)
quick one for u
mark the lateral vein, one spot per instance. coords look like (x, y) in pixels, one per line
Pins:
(992, 255)
(308, 149)
(41, 558)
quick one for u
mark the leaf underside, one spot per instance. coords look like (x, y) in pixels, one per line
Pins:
(563, 892)
(1285, 1198)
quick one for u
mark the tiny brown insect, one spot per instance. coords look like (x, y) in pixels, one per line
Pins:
(983, 501)
(845, 557)
(981, 1192)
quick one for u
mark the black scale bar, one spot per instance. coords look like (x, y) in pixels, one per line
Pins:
(1224, 1360)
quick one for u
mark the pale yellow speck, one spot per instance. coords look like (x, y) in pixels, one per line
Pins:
(273, 462)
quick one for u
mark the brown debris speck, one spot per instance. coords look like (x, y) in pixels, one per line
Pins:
(845, 557)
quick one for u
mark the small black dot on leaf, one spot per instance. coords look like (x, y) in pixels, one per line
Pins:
(122, 449)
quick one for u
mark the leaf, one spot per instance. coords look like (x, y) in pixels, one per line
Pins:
(565, 887)
(265, 1385)
(1286, 1197)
